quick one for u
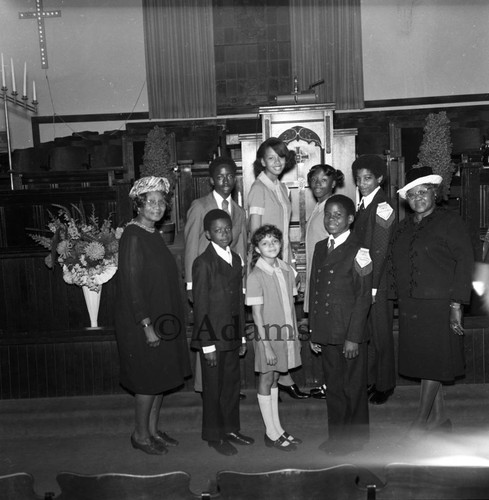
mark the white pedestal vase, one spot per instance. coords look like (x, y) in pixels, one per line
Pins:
(92, 299)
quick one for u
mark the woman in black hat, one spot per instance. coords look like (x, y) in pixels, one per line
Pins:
(432, 259)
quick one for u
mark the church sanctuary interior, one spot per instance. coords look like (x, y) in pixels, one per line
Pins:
(93, 90)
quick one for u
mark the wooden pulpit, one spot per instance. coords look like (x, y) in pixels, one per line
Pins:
(307, 130)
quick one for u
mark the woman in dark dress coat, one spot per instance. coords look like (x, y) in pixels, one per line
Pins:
(432, 259)
(150, 327)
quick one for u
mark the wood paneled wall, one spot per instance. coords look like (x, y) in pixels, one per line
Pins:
(86, 363)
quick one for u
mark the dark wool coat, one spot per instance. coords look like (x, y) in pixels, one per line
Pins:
(433, 259)
(374, 231)
(148, 286)
(340, 294)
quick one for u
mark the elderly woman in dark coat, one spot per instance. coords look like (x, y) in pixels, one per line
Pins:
(432, 259)
(150, 326)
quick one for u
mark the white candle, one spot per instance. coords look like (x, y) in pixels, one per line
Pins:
(3, 74)
(34, 91)
(24, 88)
(13, 75)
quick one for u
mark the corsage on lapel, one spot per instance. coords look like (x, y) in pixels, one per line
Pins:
(363, 262)
(385, 215)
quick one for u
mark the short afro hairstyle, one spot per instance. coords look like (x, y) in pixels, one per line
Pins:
(374, 163)
(221, 161)
(213, 215)
(344, 201)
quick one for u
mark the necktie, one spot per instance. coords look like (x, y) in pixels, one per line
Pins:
(331, 245)
(225, 205)
(361, 207)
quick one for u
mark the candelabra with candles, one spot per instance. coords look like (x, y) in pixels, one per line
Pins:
(22, 102)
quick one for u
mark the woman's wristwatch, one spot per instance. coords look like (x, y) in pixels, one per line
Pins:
(145, 324)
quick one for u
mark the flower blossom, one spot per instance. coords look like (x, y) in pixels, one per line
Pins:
(95, 250)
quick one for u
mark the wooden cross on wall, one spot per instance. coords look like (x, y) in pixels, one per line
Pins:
(40, 14)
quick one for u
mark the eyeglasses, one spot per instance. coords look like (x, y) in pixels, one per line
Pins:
(419, 194)
(155, 204)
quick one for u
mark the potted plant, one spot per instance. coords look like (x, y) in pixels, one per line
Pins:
(159, 160)
(436, 149)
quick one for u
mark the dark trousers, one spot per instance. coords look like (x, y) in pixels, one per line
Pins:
(381, 358)
(347, 393)
(220, 395)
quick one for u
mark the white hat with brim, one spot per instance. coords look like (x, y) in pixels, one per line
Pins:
(424, 179)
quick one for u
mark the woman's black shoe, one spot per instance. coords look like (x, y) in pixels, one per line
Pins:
(291, 438)
(293, 391)
(151, 448)
(282, 443)
(164, 438)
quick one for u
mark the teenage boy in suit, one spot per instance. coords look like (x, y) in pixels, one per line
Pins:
(374, 226)
(222, 176)
(339, 301)
(217, 277)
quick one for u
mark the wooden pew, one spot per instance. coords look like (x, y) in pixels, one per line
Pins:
(416, 482)
(342, 482)
(174, 485)
(18, 486)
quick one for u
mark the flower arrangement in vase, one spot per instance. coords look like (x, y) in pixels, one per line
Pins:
(86, 250)
(436, 149)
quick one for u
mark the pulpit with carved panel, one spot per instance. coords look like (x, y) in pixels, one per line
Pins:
(307, 130)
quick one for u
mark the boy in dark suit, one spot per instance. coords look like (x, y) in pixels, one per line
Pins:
(374, 227)
(217, 276)
(339, 301)
(222, 176)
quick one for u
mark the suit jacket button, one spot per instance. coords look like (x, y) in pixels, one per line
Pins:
(327, 312)
(316, 302)
(331, 271)
(326, 304)
(319, 270)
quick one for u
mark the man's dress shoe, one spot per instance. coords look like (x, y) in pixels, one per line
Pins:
(238, 438)
(445, 426)
(223, 447)
(242, 395)
(293, 391)
(380, 397)
(318, 392)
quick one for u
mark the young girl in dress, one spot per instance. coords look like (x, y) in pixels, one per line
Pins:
(269, 291)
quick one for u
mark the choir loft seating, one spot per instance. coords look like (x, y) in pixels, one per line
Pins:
(84, 159)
